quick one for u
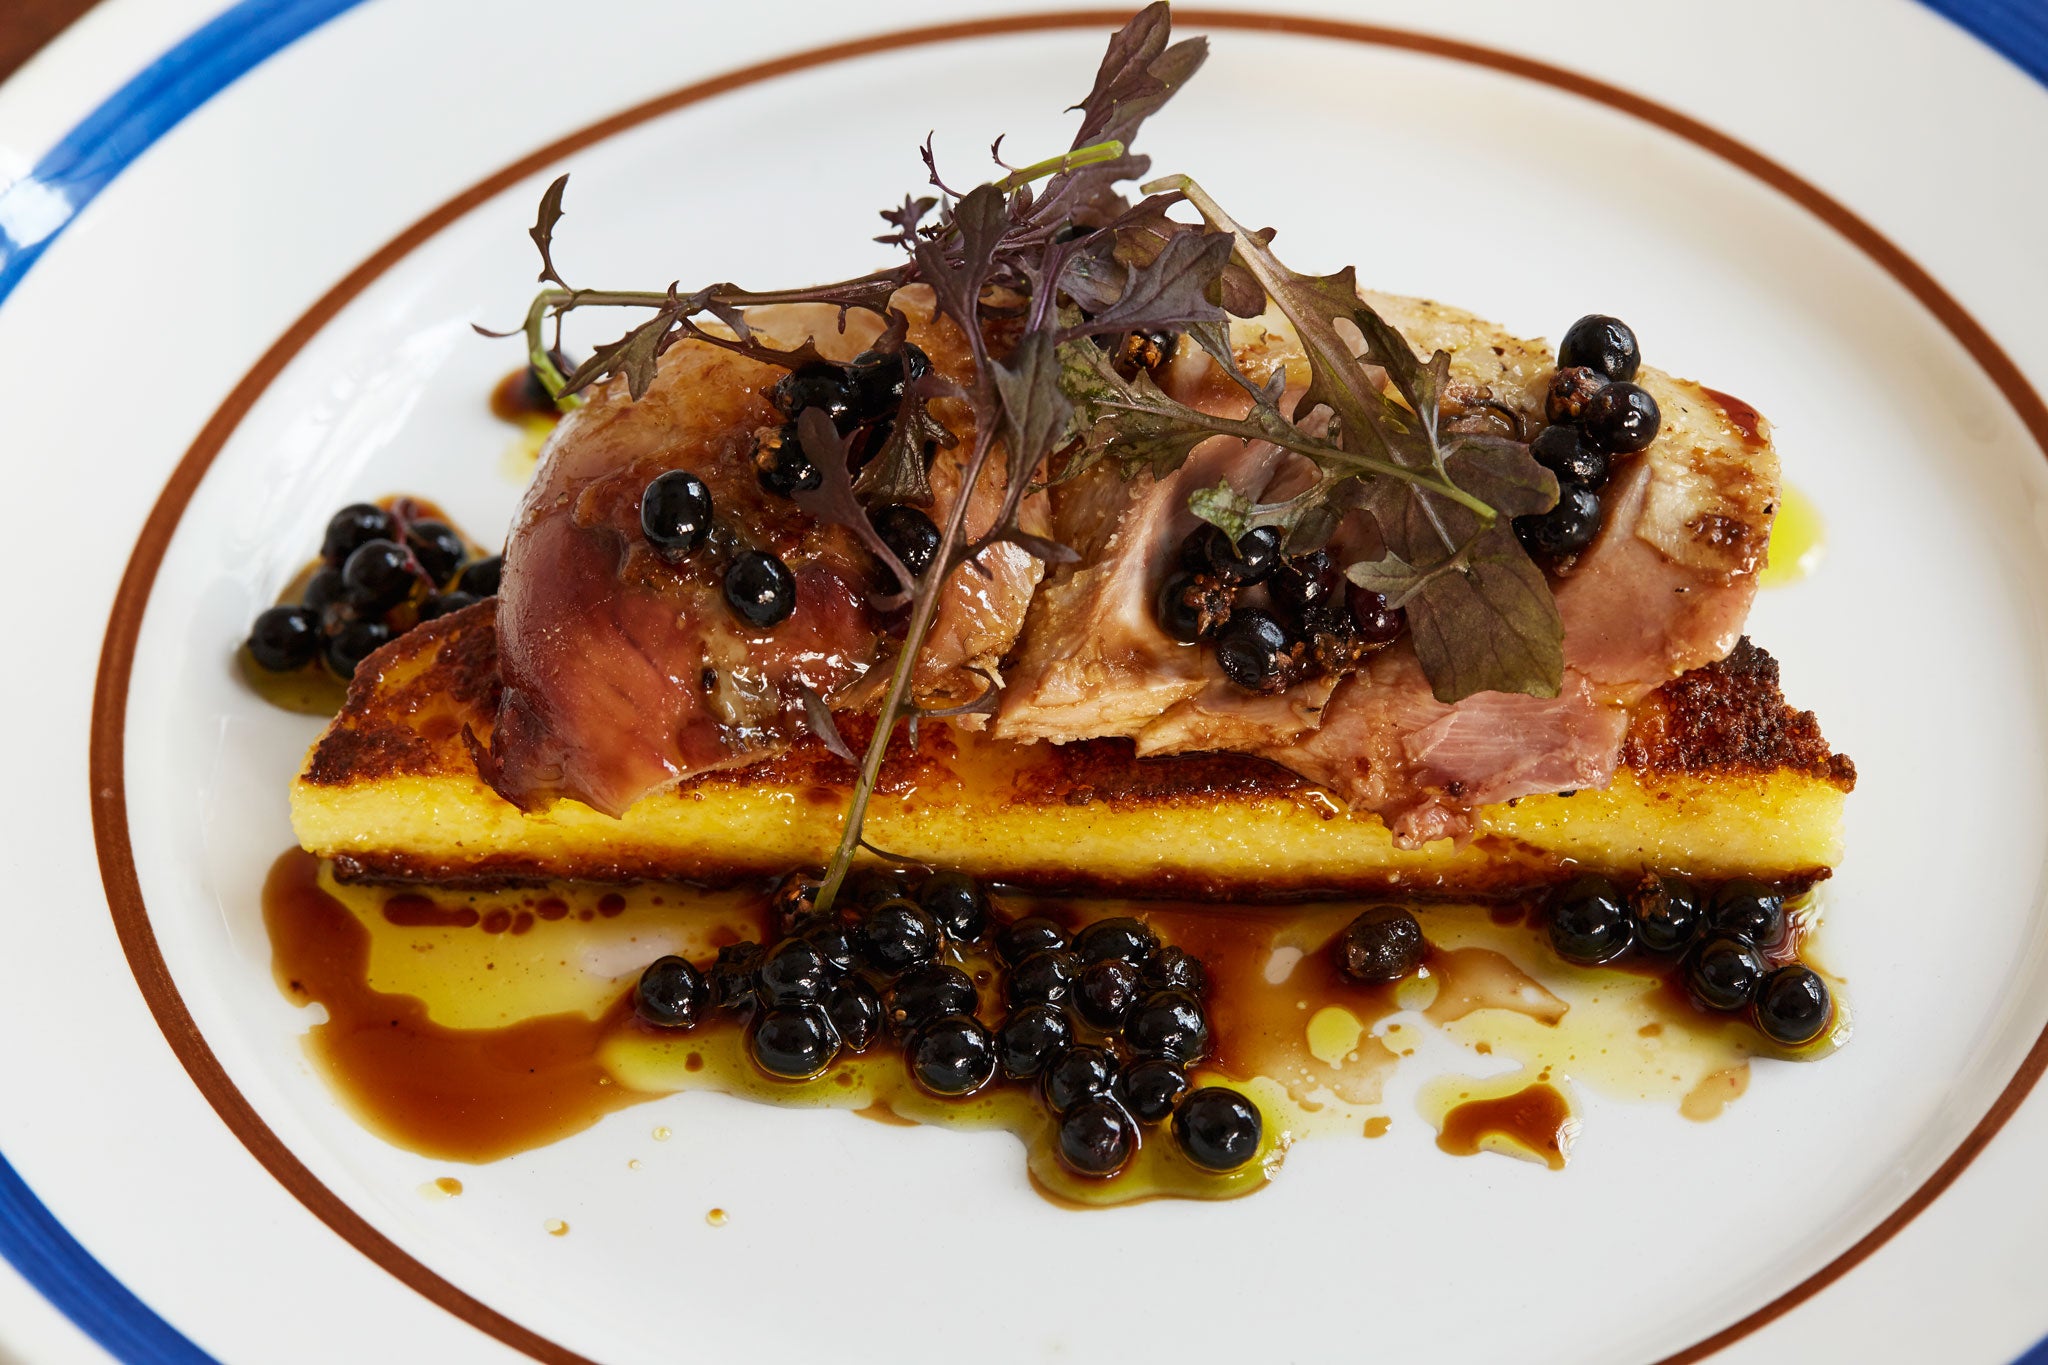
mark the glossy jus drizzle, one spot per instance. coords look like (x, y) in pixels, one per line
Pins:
(469, 1026)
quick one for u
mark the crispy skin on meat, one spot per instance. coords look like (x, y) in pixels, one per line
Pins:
(1719, 777)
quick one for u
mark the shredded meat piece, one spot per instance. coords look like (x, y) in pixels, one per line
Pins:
(1665, 588)
(625, 672)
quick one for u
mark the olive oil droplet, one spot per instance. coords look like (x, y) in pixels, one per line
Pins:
(1798, 541)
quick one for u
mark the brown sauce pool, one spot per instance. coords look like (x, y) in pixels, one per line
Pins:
(470, 1026)
(461, 1094)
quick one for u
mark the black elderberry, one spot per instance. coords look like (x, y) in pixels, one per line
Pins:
(1097, 1139)
(898, 935)
(782, 466)
(1151, 1088)
(1566, 528)
(834, 942)
(1383, 944)
(1106, 991)
(1602, 344)
(879, 378)
(1171, 969)
(1079, 1074)
(1668, 913)
(856, 1012)
(377, 576)
(437, 547)
(482, 576)
(284, 638)
(1123, 938)
(952, 1056)
(1044, 978)
(1589, 924)
(1376, 622)
(760, 588)
(1031, 1037)
(1793, 1006)
(1253, 650)
(793, 972)
(1192, 606)
(1304, 583)
(1571, 390)
(1564, 452)
(1244, 561)
(732, 975)
(445, 604)
(794, 1043)
(351, 643)
(1724, 973)
(1750, 911)
(675, 514)
(1033, 934)
(1168, 1024)
(956, 901)
(909, 533)
(671, 993)
(323, 589)
(871, 885)
(354, 526)
(1217, 1128)
(1621, 419)
(925, 993)
(818, 385)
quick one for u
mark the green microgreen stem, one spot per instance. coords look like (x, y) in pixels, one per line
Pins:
(1094, 154)
(1434, 482)
(921, 617)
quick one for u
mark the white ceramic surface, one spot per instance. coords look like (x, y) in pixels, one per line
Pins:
(1920, 644)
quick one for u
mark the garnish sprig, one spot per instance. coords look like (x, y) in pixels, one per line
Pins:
(1052, 256)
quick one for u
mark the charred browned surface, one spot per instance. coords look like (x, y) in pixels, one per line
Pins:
(1510, 879)
(409, 702)
(1730, 717)
(409, 705)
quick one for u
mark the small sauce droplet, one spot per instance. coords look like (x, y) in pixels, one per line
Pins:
(442, 1187)
(661, 1134)
(1798, 541)
(556, 1227)
(1378, 1125)
(633, 1164)
(882, 1113)
(1706, 1101)
(717, 1218)
(1536, 1120)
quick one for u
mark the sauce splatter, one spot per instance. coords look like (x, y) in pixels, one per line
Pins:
(1535, 1120)
(470, 1045)
(1708, 1099)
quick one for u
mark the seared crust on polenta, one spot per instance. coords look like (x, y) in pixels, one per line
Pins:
(1720, 778)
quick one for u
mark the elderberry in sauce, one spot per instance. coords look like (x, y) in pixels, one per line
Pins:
(472, 1025)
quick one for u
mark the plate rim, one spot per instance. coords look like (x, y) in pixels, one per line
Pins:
(107, 760)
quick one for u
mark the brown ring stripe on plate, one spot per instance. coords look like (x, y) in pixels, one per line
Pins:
(117, 655)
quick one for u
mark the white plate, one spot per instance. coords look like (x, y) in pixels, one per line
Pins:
(237, 1200)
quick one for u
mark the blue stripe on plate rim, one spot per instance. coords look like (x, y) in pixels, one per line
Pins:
(37, 208)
